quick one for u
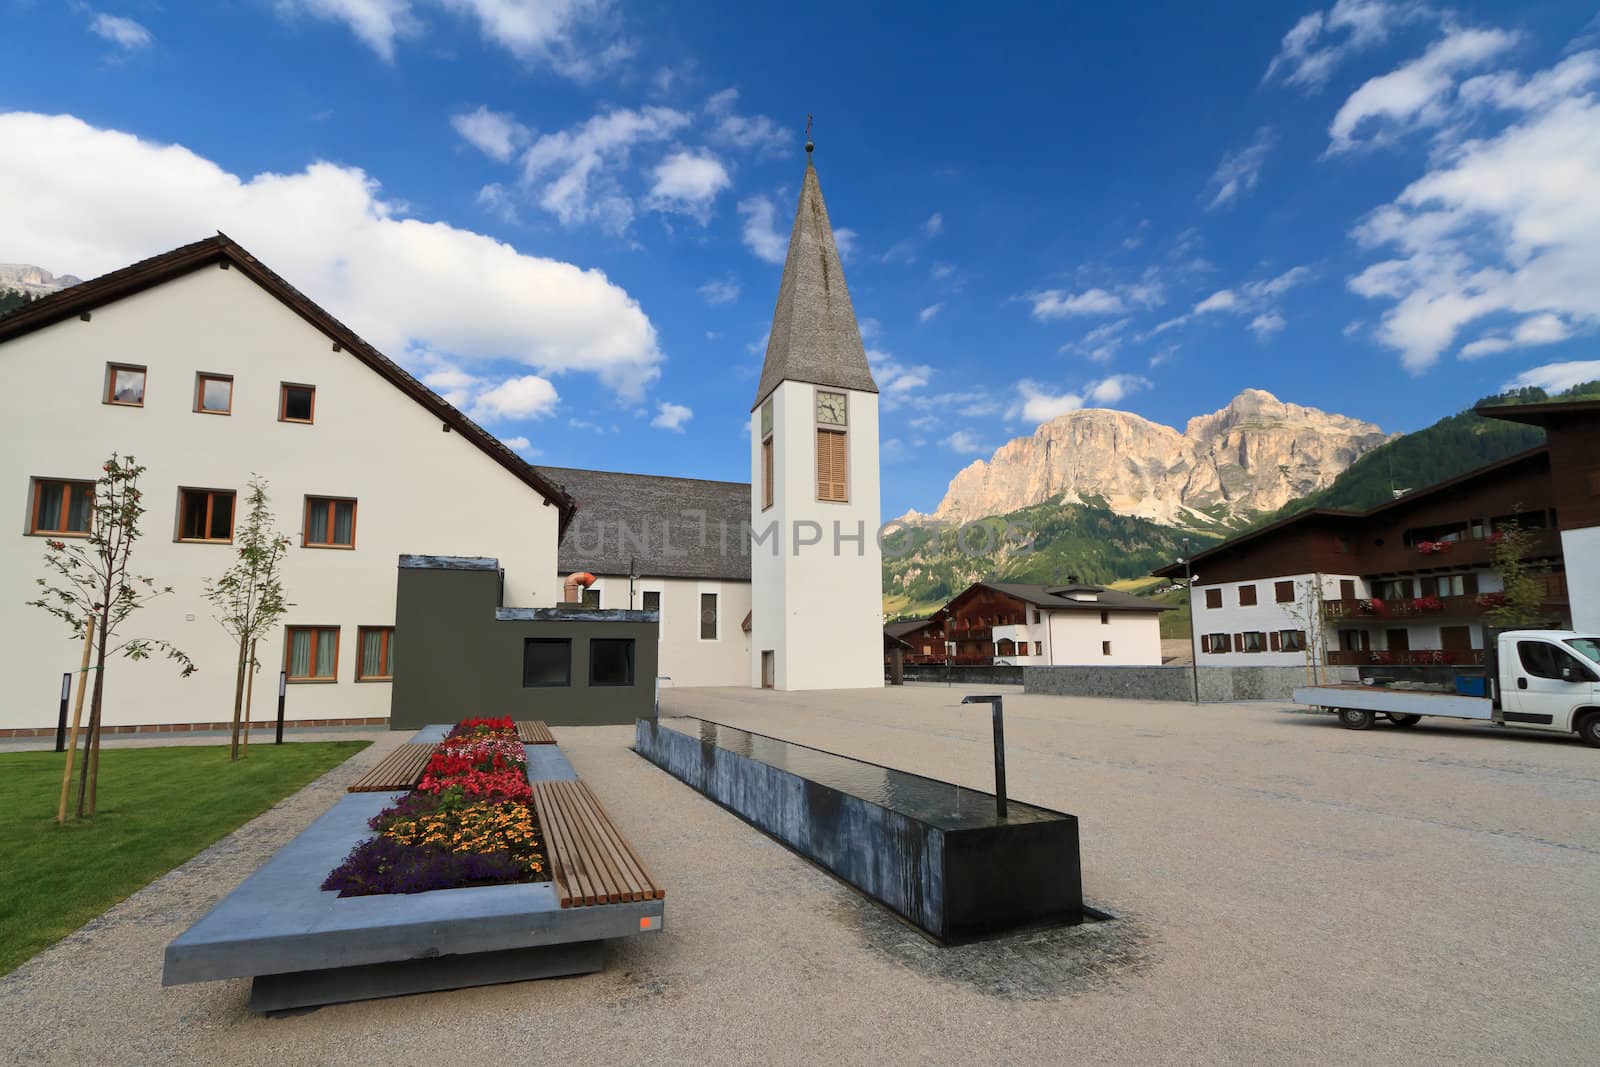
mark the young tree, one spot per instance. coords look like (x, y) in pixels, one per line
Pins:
(1308, 610)
(90, 578)
(249, 595)
(1522, 602)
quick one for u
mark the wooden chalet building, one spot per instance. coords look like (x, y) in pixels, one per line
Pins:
(1051, 625)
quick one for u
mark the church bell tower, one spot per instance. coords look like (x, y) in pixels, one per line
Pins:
(815, 567)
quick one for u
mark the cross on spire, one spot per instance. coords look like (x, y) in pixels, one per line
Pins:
(809, 145)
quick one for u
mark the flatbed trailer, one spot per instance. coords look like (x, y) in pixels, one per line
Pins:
(1546, 680)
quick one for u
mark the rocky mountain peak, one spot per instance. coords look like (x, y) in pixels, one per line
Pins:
(1255, 454)
(35, 281)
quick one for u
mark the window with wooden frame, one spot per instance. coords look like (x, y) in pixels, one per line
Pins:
(330, 522)
(1247, 596)
(708, 616)
(1289, 641)
(1253, 641)
(311, 653)
(833, 466)
(766, 474)
(61, 508)
(125, 385)
(1213, 598)
(1038, 648)
(213, 394)
(297, 403)
(375, 655)
(1105, 648)
(1283, 592)
(1216, 643)
(205, 515)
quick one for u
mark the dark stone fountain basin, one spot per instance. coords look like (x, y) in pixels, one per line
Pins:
(933, 852)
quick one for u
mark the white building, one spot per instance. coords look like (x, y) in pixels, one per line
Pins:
(816, 568)
(206, 367)
(684, 544)
(1072, 625)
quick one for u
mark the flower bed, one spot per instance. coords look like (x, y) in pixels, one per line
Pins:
(469, 822)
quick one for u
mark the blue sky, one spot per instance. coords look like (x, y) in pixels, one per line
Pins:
(569, 216)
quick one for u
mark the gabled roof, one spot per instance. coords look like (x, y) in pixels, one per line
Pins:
(655, 524)
(223, 250)
(1175, 570)
(1544, 414)
(1060, 597)
(906, 626)
(814, 336)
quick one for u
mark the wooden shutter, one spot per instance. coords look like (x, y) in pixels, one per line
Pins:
(1275, 641)
(1469, 584)
(1227, 643)
(833, 465)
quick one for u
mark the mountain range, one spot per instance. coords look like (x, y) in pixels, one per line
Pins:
(1255, 455)
(33, 281)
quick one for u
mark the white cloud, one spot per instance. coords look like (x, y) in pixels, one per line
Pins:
(1059, 304)
(1221, 300)
(934, 226)
(687, 182)
(1503, 224)
(376, 23)
(941, 271)
(572, 173)
(720, 290)
(520, 444)
(1557, 377)
(526, 397)
(494, 133)
(1318, 42)
(1035, 404)
(1414, 94)
(926, 314)
(671, 416)
(550, 32)
(89, 200)
(125, 33)
(896, 380)
(1250, 295)
(494, 199)
(966, 443)
(844, 239)
(755, 132)
(760, 231)
(1264, 326)
(1239, 171)
(1545, 329)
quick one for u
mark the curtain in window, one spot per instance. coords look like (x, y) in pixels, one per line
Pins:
(82, 507)
(50, 504)
(344, 522)
(327, 649)
(299, 653)
(317, 522)
(372, 654)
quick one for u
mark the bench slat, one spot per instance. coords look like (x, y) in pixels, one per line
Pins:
(534, 732)
(590, 860)
(400, 769)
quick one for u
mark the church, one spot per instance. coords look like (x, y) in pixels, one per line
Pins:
(208, 367)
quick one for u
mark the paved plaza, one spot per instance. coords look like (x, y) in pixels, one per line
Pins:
(1285, 891)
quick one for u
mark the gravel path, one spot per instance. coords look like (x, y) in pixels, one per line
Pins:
(1287, 891)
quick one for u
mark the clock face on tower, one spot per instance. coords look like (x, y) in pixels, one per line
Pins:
(830, 408)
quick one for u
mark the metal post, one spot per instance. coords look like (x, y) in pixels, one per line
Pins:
(61, 723)
(283, 689)
(1194, 647)
(998, 716)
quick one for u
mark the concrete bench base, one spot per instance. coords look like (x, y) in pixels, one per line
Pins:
(305, 946)
(339, 985)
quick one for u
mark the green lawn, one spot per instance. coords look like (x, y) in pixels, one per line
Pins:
(158, 807)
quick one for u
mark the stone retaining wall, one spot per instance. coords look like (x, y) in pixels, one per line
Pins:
(1217, 684)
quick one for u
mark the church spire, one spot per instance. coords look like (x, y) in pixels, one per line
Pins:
(814, 336)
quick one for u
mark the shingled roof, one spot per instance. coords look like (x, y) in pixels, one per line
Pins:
(224, 251)
(1072, 597)
(657, 527)
(814, 336)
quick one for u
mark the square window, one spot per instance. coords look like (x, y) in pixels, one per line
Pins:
(611, 661)
(125, 385)
(330, 522)
(375, 663)
(1213, 598)
(205, 515)
(1247, 596)
(546, 662)
(311, 653)
(297, 403)
(1283, 592)
(61, 507)
(213, 394)
(591, 597)
(652, 600)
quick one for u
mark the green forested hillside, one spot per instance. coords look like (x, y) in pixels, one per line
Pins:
(1046, 543)
(10, 300)
(1449, 447)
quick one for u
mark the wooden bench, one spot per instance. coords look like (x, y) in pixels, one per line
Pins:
(590, 862)
(400, 769)
(534, 732)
